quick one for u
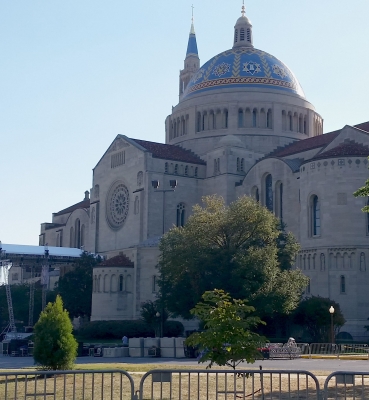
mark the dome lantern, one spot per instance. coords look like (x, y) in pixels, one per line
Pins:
(243, 31)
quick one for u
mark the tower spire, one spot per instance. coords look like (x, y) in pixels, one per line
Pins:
(243, 12)
(192, 61)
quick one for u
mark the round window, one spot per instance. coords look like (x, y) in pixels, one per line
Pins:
(117, 205)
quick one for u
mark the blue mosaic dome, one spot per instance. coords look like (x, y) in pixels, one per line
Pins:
(244, 67)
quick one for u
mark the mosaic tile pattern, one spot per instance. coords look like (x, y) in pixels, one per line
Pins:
(245, 67)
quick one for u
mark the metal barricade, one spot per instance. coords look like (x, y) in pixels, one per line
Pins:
(342, 351)
(328, 349)
(67, 385)
(347, 385)
(225, 384)
(359, 351)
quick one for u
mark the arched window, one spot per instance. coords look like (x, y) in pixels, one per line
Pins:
(82, 236)
(254, 118)
(198, 128)
(77, 231)
(242, 34)
(121, 282)
(301, 124)
(315, 216)
(322, 262)
(342, 284)
(240, 118)
(181, 214)
(71, 237)
(225, 119)
(279, 200)
(362, 262)
(212, 120)
(269, 119)
(269, 192)
(236, 35)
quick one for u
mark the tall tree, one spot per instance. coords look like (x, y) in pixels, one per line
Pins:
(55, 347)
(75, 287)
(363, 192)
(238, 249)
(313, 315)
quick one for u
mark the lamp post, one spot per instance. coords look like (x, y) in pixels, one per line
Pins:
(173, 184)
(160, 320)
(331, 311)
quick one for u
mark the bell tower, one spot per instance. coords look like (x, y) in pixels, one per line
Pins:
(191, 62)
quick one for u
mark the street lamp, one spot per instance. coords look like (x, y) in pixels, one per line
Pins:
(331, 311)
(173, 184)
(159, 317)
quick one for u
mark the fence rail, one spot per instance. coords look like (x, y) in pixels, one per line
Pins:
(222, 384)
(359, 351)
(67, 385)
(164, 384)
(347, 385)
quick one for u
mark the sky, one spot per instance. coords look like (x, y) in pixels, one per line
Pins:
(76, 73)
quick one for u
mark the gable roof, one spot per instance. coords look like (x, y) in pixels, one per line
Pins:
(82, 204)
(170, 152)
(117, 261)
(312, 143)
(305, 145)
(347, 148)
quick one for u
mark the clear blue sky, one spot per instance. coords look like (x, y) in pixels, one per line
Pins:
(75, 73)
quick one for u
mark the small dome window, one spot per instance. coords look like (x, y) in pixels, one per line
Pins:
(242, 34)
(236, 35)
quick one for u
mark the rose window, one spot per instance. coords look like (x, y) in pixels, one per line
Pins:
(117, 205)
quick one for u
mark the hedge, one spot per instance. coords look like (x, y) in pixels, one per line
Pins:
(117, 329)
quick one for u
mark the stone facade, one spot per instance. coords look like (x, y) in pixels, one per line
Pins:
(242, 126)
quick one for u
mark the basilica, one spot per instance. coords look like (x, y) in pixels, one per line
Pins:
(243, 126)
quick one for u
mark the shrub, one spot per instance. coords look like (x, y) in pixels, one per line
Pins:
(55, 348)
(173, 329)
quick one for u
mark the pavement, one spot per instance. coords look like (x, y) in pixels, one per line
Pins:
(327, 365)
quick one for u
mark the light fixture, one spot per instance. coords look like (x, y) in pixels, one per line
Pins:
(331, 310)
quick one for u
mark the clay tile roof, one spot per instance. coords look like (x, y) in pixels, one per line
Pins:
(305, 145)
(170, 152)
(81, 204)
(364, 126)
(347, 148)
(117, 261)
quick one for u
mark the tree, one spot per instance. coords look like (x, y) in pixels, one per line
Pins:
(363, 192)
(238, 249)
(75, 287)
(55, 348)
(313, 314)
(227, 339)
(155, 315)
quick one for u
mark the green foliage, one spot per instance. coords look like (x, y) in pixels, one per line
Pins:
(117, 329)
(239, 249)
(313, 314)
(20, 299)
(363, 192)
(154, 314)
(75, 287)
(55, 348)
(227, 339)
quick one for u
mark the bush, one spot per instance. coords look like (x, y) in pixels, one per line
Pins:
(117, 329)
(55, 348)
